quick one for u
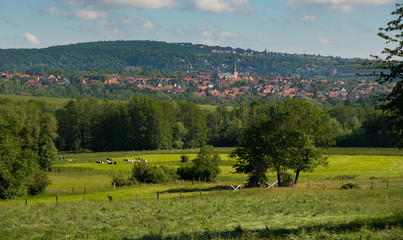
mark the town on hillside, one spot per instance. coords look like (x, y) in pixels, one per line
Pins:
(227, 85)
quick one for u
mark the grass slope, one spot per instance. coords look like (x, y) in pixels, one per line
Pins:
(247, 214)
(193, 210)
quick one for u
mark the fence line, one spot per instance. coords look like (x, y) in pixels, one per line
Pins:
(310, 185)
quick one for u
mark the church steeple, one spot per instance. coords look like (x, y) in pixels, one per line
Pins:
(235, 72)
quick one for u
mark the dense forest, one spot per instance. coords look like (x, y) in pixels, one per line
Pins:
(116, 55)
(147, 124)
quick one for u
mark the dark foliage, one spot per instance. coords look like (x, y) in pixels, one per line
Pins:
(204, 166)
(143, 172)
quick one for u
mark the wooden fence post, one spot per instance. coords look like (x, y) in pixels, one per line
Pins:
(84, 198)
(114, 185)
(199, 179)
(57, 200)
(26, 201)
(323, 184)
(372, 184)
(72, 190)
(158, 195)
(309, 184)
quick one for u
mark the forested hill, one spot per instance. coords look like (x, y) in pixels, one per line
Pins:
(115, 55)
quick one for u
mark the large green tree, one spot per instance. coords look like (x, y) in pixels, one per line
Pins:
(310, 130)
(391, 71)
(27, 150)
(291, 139)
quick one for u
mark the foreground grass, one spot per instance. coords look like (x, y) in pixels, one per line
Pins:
(247, 214)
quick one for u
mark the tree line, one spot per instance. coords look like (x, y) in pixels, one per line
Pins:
(116, 55)
(148, 124)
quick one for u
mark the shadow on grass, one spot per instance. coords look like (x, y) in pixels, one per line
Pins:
(375, 224)
(197, 189)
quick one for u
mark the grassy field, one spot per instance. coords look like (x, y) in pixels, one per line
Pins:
(197, 210)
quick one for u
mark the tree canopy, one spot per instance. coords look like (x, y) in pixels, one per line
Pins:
(291, 138)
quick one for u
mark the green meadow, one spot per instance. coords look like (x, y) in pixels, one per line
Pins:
(81, 203)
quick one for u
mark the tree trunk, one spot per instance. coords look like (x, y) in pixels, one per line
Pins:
(278, 178)
(296, 176)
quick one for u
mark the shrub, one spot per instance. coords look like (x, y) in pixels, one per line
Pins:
(286, 180)
(350, 186)
(185, 158)
(205, 166)
(119, 180)
(39, 183)
(145, 173)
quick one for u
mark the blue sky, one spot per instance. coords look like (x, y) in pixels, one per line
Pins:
(346, 28)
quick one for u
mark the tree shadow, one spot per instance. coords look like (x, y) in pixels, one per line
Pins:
(376, 224)
(197, 189)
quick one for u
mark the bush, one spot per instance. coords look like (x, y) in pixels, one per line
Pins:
(350, 186)
(185, 158)
(119, 180)
(144, 173)
(205, 166)
(286, 180)
(39, 183)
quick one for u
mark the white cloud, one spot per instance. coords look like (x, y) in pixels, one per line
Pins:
(223, 6)
(54, 11)
(152, 4)
(126, 21)
(179, 31)
(206, 34)
(226, 35)
(209, 42)
(147, 24)
(323, 40)
(111, 33)
(306, 18)
(90, 15)
(342, 5)
(32, 39)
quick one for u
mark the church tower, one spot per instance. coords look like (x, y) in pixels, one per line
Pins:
(235, 72)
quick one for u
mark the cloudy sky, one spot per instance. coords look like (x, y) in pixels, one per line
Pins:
(345, 28)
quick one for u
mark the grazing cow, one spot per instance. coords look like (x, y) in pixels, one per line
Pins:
(116, 163)
(109, 162)
(100, 162)
(110, 159)
(126, 160)
(61, 157)
(70, 160)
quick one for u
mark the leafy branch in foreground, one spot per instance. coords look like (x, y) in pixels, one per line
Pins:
(390, 70)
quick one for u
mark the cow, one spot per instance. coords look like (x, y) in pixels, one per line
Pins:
(100, 162)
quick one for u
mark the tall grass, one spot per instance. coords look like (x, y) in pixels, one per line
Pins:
(247, 214)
